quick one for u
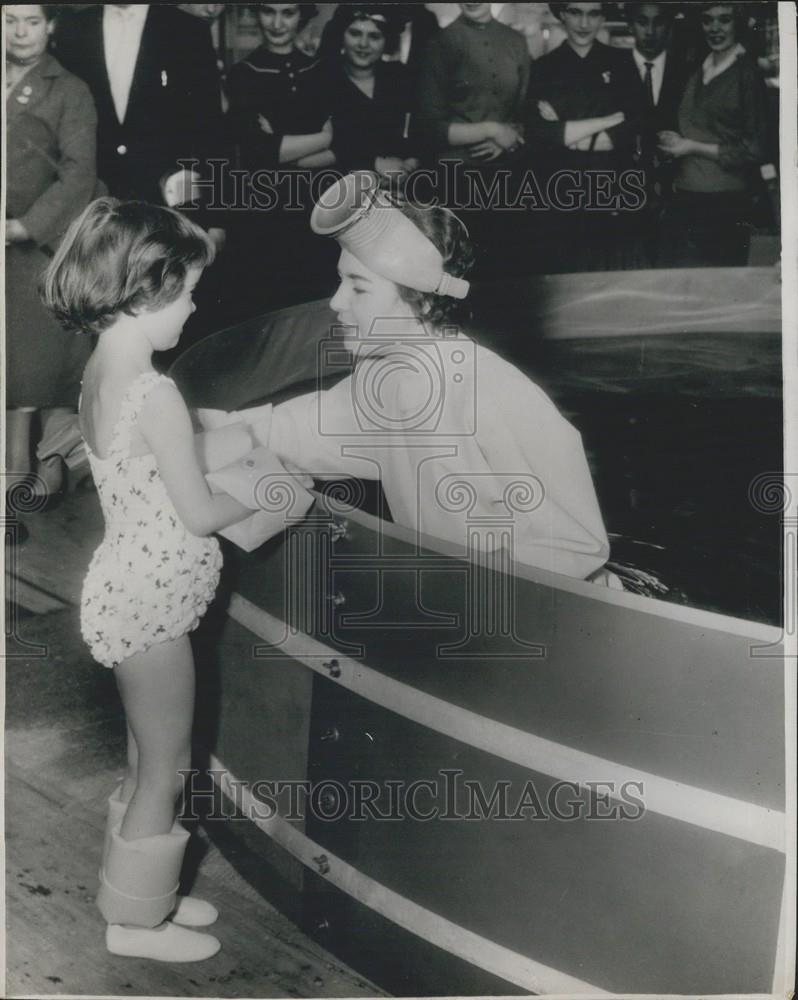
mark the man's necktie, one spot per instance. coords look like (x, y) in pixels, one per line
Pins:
(648, 81)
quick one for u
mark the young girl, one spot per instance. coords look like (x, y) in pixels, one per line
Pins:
(126, 272)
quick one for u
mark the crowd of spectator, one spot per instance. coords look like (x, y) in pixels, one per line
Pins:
(592, 155)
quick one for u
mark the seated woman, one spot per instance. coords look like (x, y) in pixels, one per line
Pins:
(721, 140)
(466, 447)
(279, 121)
(370, 99)
(582, 112)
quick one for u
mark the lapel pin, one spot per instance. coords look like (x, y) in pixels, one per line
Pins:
(164, 78)
(27, 90)
(23, 98)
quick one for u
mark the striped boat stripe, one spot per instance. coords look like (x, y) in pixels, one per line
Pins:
(457, 940)
(680, 801)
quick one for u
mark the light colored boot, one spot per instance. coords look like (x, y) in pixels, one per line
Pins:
(138, 890)
(189, 911)
(165, 943)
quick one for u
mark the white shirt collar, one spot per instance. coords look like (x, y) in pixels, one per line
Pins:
(657, 70)
(135, 13)
(708, 68)
(657, 63)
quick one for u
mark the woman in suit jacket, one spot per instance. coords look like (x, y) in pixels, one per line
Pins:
(51, 177)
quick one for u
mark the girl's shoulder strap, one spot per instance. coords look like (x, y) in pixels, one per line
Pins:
(132, 402)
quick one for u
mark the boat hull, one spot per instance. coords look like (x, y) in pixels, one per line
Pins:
(474, 777)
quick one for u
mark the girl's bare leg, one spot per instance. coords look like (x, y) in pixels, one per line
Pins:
(130, 780)
(157, 690)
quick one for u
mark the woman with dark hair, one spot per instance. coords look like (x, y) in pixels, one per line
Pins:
(452, 431)
(581, 118)
(719, 143)
(51, 174)
(276, 114)
(279, 121)
(370, 100)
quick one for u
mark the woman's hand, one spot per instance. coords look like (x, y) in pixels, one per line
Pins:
(327, 133)
(674, 144)
(508, 137)
(603, 143)
(547, 112)
(16, 232)
(485, 151)
(610, 121)
(265, 125)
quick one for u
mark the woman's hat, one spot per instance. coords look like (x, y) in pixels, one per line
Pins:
(366, 222)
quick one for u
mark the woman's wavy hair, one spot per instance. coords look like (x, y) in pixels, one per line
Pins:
(449, 235)
(121, 257)
(740, 11)
(307, 11)
(346, 14)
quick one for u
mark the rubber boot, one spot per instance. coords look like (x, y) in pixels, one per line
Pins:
(189, 911)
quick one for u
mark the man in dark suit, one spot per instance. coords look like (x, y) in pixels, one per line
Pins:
(660, 74)
(152, 72)
(661, 71)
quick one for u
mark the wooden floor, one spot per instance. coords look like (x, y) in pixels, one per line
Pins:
(63, 752)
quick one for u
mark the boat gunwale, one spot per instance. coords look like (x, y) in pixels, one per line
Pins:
(771, 635)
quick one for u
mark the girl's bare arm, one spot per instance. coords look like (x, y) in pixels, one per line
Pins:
(165, 424)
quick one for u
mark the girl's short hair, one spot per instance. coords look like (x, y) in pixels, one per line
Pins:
(448, 234)
(558, 8)
(121, 257)
(307, 11)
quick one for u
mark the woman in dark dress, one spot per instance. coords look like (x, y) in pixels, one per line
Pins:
(582, 114)
(471, 90)
(51, 174)
(370, 99)
(280, 122)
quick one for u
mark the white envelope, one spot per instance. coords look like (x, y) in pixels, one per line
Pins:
(260, 481)
(255, 529)
(211, 419)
